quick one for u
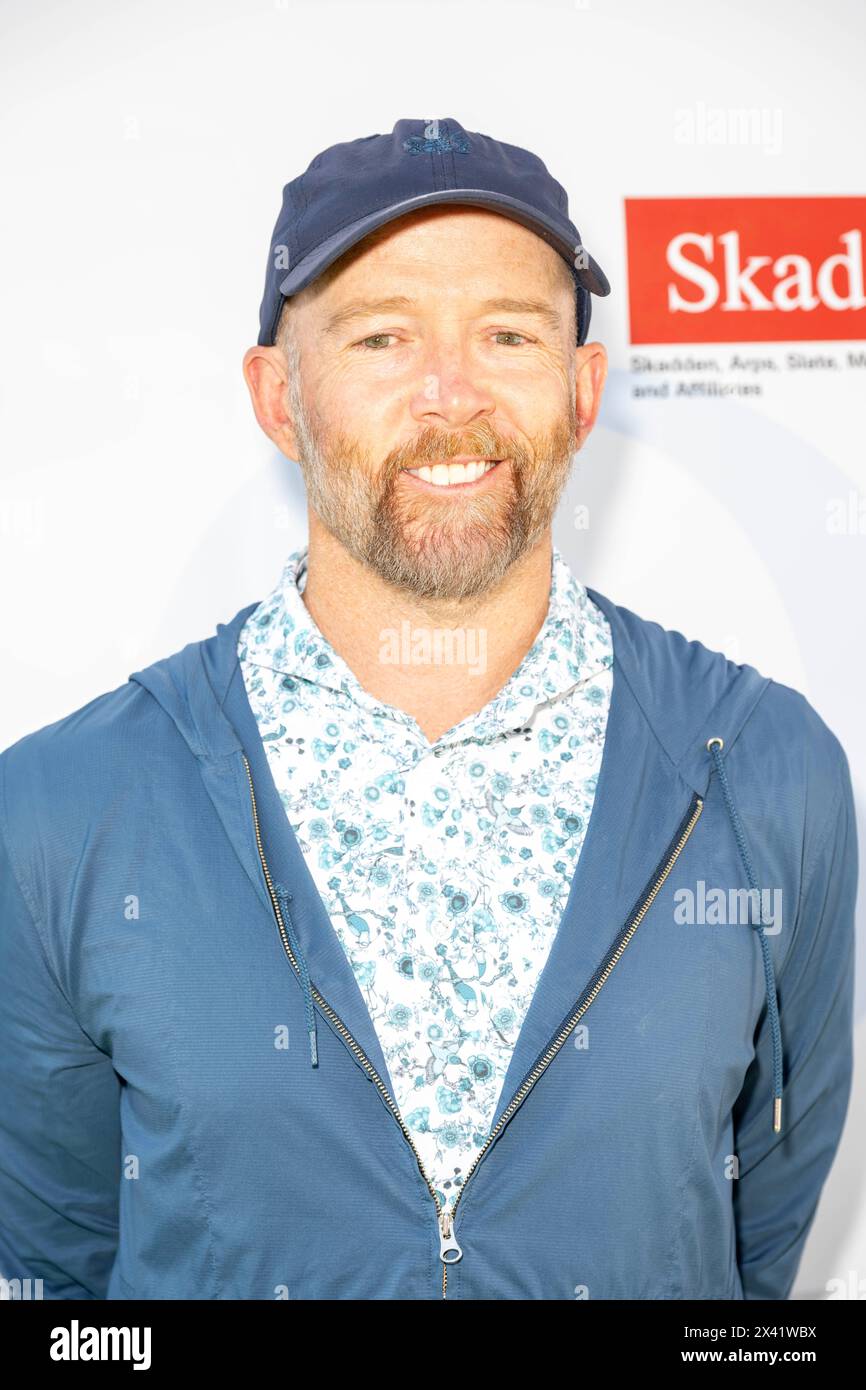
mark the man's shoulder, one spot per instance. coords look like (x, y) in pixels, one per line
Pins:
(117, 731)
(60, 780)
(123, 715)
(670, 670)
(63, 770)
(86, 727)
(642, 639)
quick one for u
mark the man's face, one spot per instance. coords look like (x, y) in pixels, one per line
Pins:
(450, 336)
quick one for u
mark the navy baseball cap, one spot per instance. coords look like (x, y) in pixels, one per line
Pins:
(351, 189)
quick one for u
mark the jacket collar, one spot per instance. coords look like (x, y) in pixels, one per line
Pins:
(684, 692)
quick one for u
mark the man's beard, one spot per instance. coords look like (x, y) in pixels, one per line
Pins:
(429, 549)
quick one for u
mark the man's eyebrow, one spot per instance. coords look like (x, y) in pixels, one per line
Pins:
(397, 303)
(360, 308)
(538, 307)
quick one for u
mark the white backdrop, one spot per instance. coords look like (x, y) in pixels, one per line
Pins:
(145, 146)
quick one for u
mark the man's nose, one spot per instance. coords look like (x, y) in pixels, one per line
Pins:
(451, 391)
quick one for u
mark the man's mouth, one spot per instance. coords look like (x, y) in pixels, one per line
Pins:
(454, 473)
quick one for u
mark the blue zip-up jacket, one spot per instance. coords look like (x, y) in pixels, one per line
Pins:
(674, 1100)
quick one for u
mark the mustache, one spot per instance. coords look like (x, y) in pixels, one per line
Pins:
(432, 446)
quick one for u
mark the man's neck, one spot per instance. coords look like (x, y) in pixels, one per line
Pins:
(374, 628)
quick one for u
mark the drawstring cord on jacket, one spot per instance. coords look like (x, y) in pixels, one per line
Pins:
(285, 898)
(714, 748)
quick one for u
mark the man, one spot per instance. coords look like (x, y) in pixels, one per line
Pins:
(438, 927)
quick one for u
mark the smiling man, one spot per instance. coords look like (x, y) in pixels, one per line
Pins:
(463, 406)
(335, 974)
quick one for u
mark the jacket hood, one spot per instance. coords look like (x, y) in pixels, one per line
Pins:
(681, 687)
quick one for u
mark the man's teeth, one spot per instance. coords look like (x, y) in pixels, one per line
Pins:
(445, 474)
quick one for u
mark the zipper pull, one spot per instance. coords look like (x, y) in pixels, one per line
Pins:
(449, 1250)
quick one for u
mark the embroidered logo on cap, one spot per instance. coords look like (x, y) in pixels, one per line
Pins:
(432, 142)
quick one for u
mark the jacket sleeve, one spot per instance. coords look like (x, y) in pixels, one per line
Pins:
(59, 1116)
(781, 1175)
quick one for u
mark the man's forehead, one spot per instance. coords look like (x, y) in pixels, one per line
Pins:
(425, 231)
(435, 235)
(481, 273)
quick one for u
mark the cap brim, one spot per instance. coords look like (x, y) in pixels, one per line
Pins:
(585, 270)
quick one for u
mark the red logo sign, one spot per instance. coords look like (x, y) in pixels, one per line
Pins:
(722, 270)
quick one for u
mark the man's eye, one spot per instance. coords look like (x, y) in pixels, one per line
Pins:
(374, 342)
(510, 333)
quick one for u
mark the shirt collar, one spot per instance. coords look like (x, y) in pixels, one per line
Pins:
(572, 645)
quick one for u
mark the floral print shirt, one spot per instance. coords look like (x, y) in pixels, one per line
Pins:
(445, 866)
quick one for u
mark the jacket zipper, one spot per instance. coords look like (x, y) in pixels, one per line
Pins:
(673, 852)
(442, 1215)
(448, 1245)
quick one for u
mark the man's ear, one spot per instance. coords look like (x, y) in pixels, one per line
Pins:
(590, 376)
(266, 374)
